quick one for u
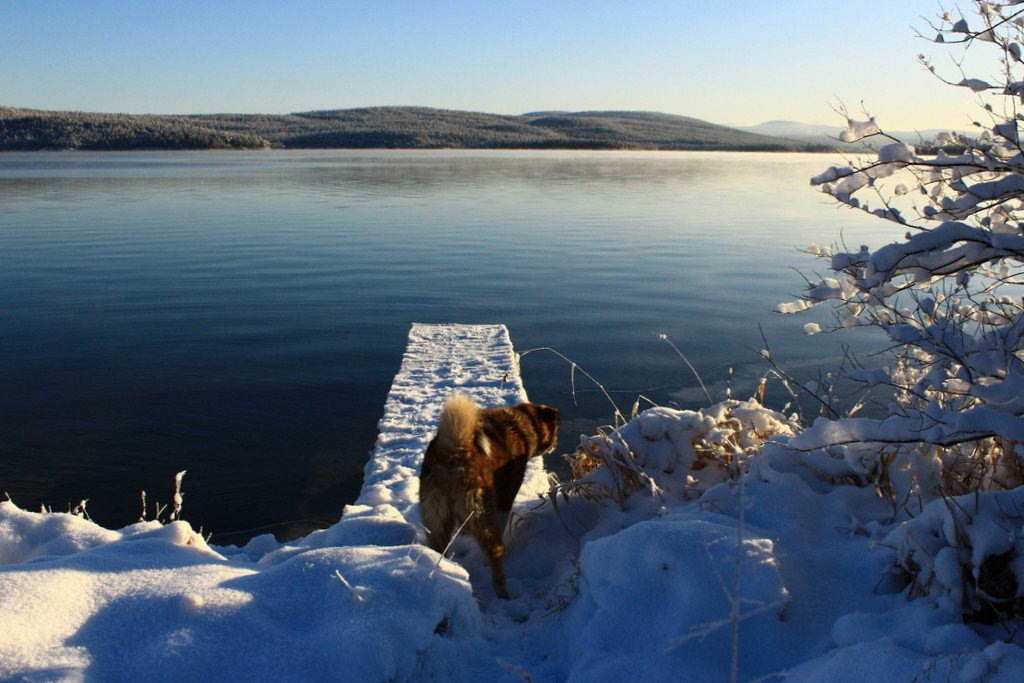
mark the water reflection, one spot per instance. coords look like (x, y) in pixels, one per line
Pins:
(420, 173)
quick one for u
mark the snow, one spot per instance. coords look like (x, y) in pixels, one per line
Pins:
(812, 328)
(831, 174)
(975, 84)
(897, 151)
(159, 604)
(693, 545)
(858, 130)
(656, 597)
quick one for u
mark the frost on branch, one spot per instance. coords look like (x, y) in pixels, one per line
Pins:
(975, 84)
(947, 294)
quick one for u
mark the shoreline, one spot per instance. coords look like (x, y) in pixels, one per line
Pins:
(616, 150)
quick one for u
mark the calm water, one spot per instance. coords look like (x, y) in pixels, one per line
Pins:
(241, 315)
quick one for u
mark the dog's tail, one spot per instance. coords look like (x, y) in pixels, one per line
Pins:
(459, 417)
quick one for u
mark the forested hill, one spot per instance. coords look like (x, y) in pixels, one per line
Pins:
(28, 129)
(377, 127)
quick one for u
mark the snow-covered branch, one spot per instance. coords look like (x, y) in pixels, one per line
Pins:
(947, 295)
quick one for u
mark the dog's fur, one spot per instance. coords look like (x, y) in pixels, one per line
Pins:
(474, 467)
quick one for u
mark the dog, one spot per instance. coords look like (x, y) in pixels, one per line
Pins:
(474, 466)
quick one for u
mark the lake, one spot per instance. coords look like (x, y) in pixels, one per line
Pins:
(241, 314)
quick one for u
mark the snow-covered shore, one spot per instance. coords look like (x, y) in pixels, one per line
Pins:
(714, 549)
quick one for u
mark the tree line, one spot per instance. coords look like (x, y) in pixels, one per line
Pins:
(378, 127)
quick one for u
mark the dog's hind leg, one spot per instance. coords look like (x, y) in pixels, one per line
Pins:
(507, 480)
(488, 535)
(437, 519)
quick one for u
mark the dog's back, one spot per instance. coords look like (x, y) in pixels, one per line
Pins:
(515, 434)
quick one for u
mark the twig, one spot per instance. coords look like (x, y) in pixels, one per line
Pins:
(664, 338)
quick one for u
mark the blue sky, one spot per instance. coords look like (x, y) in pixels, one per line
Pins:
(735, 63)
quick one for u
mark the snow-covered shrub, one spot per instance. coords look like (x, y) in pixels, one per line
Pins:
(947, 295)
(26, 535)
(902, 473)
(680, 453)
(966, 553)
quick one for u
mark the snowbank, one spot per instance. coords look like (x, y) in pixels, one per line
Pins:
(602, 591)
(656, 600)
(157, 603)
(646, 583)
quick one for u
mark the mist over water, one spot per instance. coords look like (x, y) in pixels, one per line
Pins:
(241, 314)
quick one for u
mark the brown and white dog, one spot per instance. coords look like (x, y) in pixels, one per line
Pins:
(474, 467)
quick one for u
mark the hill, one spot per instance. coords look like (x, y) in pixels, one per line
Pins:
(29, 129)
(795, 130)
(817, 133)
(379, 127)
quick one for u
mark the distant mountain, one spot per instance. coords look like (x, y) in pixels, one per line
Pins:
(825, 134)
(795, 130)
(380, 127)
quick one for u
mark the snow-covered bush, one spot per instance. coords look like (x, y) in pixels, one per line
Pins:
(678, 453)
(966, 553)
(947, 295)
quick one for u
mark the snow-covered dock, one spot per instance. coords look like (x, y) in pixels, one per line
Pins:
(439, 360)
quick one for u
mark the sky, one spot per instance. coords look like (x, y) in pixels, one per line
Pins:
(737, 63)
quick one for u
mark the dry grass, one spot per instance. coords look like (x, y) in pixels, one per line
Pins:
(986, 465)
(681, 452)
